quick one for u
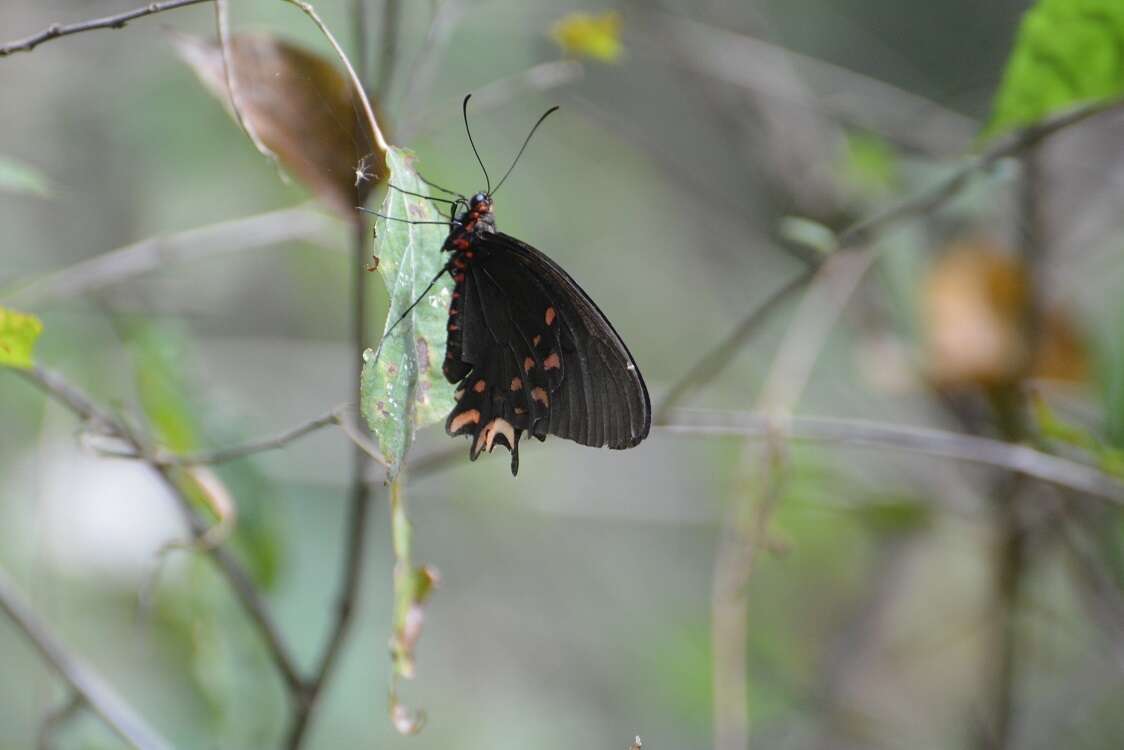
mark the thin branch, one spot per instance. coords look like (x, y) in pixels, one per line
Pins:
(54, 31)
(1015, 144)
(952, 445)
(154, 253)
(95, 692)
(356, 84)
(246, 592)
(225, 455)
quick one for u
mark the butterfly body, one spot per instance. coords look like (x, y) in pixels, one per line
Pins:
(529, 350)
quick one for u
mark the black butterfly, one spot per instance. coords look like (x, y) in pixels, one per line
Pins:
(530, 350)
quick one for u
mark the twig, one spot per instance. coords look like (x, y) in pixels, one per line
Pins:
(115, 266)
(54, 31)
(356, 84)
(934, 197)
(952, 445)
(247, 594)
(96, 693)
(225, 455)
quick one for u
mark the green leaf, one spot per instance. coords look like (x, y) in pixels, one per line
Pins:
(403, 387)
(16, 177)
(18, 333)
(1067, 52)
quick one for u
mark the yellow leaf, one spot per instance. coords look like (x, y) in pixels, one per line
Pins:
(18, 333)
(586, 35)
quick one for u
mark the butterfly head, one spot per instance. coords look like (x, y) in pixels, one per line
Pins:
(481, 203)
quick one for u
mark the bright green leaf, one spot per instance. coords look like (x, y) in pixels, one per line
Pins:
(585, 35)
(1067, 52)
(16, 177)
(18, 333)
(403, 387)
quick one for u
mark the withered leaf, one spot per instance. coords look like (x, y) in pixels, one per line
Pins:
(301, 107)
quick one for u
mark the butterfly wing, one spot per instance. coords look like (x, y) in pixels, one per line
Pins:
(543, 358)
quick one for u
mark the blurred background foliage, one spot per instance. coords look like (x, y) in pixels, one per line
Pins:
(703, 153)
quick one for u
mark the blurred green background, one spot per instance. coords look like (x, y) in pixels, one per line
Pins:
(575, 602)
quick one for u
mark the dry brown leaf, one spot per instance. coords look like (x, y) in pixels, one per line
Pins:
(302, 108)
(976, 323)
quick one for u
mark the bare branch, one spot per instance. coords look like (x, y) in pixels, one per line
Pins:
(54, 31)
(225, 455)
(1015, 144)
(95, 692)
(959, 447)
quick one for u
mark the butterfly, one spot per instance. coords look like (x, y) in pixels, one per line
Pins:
(528, 349)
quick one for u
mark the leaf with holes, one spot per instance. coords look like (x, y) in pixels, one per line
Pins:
(403, 387)
(18, 333)
(1067, 52)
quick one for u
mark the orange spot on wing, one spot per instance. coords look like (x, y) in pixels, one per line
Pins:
(552, 362)
(535, 341)
(528, 363)
(550, 316)
(454, 327)
(538, 394)
(472, 416)
(516, 384)
(479, 386)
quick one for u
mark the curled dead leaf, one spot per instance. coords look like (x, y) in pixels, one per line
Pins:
(302, 108)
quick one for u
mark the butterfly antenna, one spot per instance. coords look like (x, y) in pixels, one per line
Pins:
(435, 185)
(514, 161)
(408, 310)
(419, 195)
(464, 111)
(366, 210)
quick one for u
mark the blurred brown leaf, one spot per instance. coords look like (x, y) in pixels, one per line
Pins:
(976, 323)
(302, 108)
